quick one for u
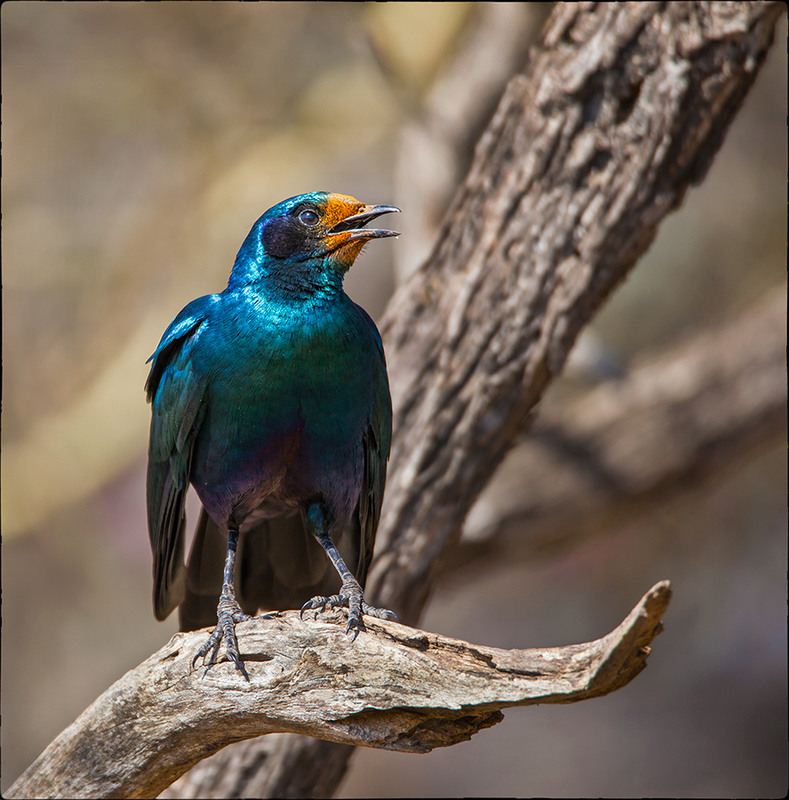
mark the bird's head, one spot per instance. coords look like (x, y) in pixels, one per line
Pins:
(308, 236)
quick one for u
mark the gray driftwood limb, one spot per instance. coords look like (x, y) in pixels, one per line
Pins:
(394, 687)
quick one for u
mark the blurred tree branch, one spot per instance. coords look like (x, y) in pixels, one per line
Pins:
(395, 687)
(622, 108)
(676, 417)
(437, 140)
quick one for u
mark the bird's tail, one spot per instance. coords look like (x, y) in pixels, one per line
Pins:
(279, 565)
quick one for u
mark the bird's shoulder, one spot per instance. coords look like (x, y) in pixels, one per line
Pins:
(183, 331)
(366, 324)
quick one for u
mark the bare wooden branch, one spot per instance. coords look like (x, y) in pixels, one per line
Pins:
(678, 415)
(394, 687)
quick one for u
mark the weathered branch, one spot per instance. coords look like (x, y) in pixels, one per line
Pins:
(394, 687)
(676, 416)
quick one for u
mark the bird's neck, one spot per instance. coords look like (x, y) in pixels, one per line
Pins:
(292, 282)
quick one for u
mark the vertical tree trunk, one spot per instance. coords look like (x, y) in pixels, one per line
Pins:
(622, 108)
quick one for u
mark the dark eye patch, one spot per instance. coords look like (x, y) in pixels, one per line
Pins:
(281, 237)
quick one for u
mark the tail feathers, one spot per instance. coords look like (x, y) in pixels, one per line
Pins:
(167, 541)
(204, 572)
(282, 565)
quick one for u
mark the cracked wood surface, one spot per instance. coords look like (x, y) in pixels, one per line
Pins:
(393, 687)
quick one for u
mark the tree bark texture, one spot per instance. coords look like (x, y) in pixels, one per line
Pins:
(394, 687)
(622, 108)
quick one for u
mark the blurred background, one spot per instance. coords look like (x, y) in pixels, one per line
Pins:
(140, 142)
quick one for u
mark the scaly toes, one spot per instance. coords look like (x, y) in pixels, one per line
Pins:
(380, 613)
(225, 630)
(318, 604)
(212, 644)
(349, 597)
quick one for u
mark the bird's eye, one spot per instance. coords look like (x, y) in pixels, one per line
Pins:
(308, 217)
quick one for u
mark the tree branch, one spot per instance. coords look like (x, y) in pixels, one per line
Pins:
(394, 687)
(437, 141)
(677, 416)
(621, 110)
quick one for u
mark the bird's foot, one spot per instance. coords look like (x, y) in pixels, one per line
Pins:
(228, 614)
(350, 596)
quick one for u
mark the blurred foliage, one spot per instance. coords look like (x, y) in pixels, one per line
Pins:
(413, 40)
(140, 142)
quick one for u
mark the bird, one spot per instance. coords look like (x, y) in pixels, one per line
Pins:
(271, 398)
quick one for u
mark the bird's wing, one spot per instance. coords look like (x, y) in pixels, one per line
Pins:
(377, 441)
(176, 393)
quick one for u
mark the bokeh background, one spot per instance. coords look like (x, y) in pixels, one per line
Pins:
(140, 141)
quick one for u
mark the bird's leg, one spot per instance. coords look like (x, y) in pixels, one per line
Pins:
(350, 594)
(228, 613)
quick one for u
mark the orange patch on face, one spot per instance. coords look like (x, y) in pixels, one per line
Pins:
(340, 207)
(346, 254)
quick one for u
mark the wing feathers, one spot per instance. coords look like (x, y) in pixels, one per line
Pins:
(177, 395)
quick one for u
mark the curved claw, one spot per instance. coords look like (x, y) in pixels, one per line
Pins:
(350, 597)
(322, 603)
(228, 615)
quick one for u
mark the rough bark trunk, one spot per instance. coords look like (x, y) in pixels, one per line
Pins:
(621, 110)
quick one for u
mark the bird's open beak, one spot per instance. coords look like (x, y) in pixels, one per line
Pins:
(354, 224)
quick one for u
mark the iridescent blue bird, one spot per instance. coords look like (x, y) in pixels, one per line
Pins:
(271, 398)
